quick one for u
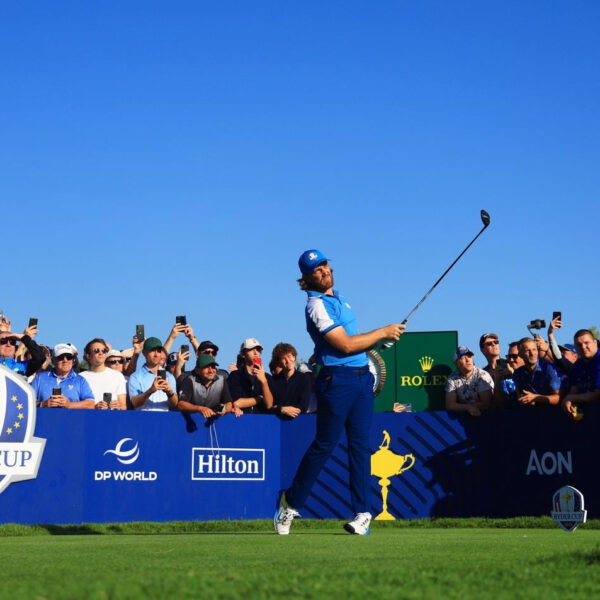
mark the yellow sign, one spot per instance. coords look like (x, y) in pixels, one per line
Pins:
(386, 464)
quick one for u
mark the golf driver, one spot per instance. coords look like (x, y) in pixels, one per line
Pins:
(485, 219)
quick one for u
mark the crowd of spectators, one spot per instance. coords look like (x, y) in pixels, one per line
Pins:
(150, 376)
(535, 372)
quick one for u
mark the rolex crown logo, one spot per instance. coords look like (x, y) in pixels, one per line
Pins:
(426, 363)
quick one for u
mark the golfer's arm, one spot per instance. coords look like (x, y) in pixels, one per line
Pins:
(350, 344)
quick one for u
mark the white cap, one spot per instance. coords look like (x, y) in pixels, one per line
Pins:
(63, 349)
(250, 343)
(114, 352)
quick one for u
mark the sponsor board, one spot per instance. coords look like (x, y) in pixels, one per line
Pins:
(126, 452)
(20, 452)
(228, 464)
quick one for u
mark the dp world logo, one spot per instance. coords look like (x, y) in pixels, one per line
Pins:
(20, 451)
(127, 455)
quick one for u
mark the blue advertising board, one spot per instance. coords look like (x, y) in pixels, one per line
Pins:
(113, 466)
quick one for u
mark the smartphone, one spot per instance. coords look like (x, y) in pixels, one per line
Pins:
(257, 362)
(32, 322)
(56, 391)
(180, 320)
(107, 397)
(184, 348)
(139, 333)
(557, 315)
(162, 373)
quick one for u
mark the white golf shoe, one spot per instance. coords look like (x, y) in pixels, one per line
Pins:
(282, 521)
(360, 524)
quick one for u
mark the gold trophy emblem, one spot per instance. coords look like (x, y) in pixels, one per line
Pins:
(386, 464)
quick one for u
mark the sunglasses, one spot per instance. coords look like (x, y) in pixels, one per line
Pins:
(492, 343)
(5, 341)
(64, 357)
(116, 361)
(512, 356)
(210, 351)
(98, 350)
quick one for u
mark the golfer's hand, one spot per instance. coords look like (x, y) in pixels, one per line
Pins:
(393, 331)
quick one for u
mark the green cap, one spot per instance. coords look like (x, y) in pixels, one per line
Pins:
(152, 343)
(204, 360)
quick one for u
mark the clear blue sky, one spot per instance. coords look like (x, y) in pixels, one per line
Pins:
(164, 158)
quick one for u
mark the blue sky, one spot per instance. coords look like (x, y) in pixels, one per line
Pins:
(176, 158)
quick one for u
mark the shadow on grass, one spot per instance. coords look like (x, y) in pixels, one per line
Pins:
(70, 529)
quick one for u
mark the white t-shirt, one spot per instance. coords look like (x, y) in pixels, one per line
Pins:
(467, 390)
(104, 382)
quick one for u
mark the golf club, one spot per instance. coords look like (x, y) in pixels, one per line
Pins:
(485, 219)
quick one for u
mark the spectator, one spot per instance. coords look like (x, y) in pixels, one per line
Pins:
(206, 392)
(172, 361)
(584, 380)
(513, 358)
(249, 385)
(470, 388)
(496, 367)
(103, 380)
(513, 362)
(148, 391)
(205, 347)
(9, 342)
(537, 381)
(290, 388)
(75, 390)
(115, 361)
(563, 357)
(177, 330)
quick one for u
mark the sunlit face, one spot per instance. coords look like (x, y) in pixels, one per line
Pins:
(250, 355)
(587, 346)
(322, 278)
(529, 353)
(116, 363)
(207, 374)
(96, 355)
(8, 346)
(570, 355)
(63, 364)
(465, 364)
(491, 348)
(155, 357)
(288, 362)
(514, 358)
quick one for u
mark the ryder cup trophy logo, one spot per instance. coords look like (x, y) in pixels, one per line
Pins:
(568, 511)
(386, 464)
(20, 451)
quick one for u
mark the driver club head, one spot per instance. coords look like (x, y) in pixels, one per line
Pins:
(485, 218)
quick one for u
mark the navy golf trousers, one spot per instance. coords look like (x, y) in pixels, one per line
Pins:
(344, 401)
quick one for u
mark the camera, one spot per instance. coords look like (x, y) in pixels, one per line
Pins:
(537, 324)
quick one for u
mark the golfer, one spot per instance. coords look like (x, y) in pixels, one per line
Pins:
(344, 390)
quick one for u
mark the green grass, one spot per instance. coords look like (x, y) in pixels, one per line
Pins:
(317, 560)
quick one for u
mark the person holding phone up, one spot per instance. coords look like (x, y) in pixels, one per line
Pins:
(249, 385)
(151, 387)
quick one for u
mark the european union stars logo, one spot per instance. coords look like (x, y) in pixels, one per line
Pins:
(20, 452)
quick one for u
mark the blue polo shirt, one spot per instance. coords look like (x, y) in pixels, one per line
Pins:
(324, 313)
(74, 387)
(143, 379)
(543, 380)
(18, 366)
(585, 375)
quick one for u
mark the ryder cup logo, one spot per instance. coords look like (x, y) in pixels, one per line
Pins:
(568, 508)
(20, 451)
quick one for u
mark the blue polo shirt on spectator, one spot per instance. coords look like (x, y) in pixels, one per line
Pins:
(18, 366)
(585, 375)
(324, 313)
(543, 380)
(142, 380)
(74, 387)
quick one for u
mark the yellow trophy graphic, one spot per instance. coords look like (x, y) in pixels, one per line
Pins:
(386, 464)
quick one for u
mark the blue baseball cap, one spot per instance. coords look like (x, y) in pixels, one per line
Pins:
(310, 260)
(462, 351)
(570, 347)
